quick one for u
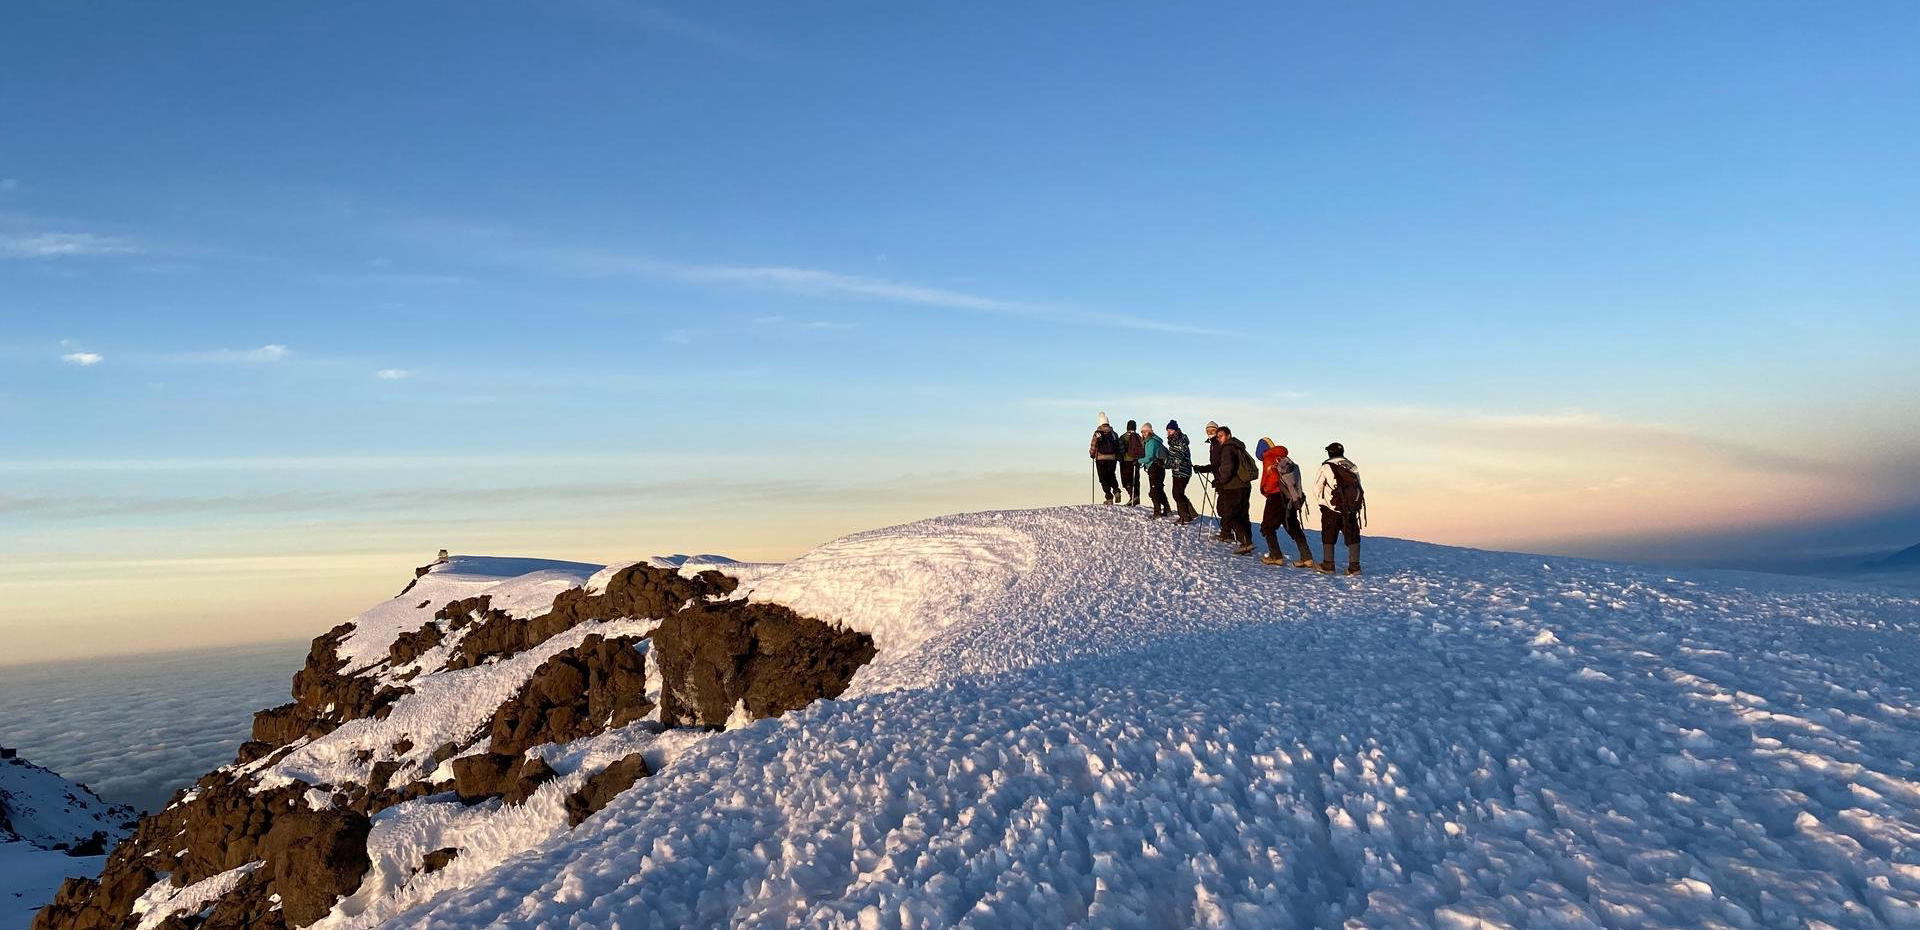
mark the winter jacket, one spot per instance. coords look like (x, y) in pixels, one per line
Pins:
(1226, 465)
(1213, 459)
(1180, 454)
(1279, 475)
(1151, 451)
(1093, 447)
(1131, 449)
(1323, 485)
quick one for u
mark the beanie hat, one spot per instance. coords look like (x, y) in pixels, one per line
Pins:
(1212, 425)
(1334, 448)
(1103, 418)
(1173, 424)
(1131, 426)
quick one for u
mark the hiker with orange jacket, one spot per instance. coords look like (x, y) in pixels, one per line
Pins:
(1280, 482)
(1342, 500)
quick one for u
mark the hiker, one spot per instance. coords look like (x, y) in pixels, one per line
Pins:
(1233, 476)
(1104, 450)
(1155, 458)
(1280, 482)
(1213, 465)
(1342, 501)
(1131, 451)
(1180, 458)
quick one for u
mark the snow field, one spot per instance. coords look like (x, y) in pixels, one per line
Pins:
(1079, 717)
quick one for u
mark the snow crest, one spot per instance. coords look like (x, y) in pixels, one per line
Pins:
(1079, 716)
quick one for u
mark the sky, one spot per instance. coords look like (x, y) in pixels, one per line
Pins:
(293, 295)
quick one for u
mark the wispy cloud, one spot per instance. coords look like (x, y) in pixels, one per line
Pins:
(83, 359)
(655, 20)
(815, 282)
(392, 374)
(266, 354)
(65, 245)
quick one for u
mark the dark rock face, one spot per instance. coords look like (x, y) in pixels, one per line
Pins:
(439, 859)
(601, 789)
(638, 591)
(323, 699)
(714, 656)
(486, 775)
(595, 686)
(313, 859)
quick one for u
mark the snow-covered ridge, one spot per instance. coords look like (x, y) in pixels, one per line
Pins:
(1078, 716)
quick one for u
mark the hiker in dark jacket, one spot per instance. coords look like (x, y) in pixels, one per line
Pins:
(1154, 460)
(1132, 450)
(1280, 482)
(1233, 476)
(1342, 500)
(1213, 464)
(1180, 456)
(1105, 452)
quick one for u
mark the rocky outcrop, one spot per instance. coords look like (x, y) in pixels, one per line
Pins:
(714, 657)
(324, 697)
(601, 789)
(314, 858)
(489, 775)
(595, 686)
(637, 591)
(302, 847)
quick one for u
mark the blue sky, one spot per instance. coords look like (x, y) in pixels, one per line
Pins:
(292, 293)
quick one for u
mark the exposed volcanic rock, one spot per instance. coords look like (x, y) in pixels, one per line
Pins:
(324, 697)
(604, 786)
(595, 686)
(496, 775)
(715, 656)
(638, 591)
(299, 848)
(439, 859)
(314, 858)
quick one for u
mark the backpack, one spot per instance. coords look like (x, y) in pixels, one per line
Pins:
(1135, 448)
(1106, 443)
(1245, 469)
(1348, 497)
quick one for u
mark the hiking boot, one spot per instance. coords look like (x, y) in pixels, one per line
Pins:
(1183, 521)
(1244, 549)
(1271, 559)
(1304, 563)
(1326, 568)
(1353, 569)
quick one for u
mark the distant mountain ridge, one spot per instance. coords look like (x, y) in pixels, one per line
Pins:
(51, 829)
(1905, 558)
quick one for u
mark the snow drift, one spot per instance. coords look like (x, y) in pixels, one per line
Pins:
(1081, 717)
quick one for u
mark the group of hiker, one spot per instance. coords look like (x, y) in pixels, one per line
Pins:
(1119, 458)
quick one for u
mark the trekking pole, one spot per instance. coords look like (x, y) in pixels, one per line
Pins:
(1092, 470)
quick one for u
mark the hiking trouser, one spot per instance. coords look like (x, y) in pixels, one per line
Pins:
(1107, 481)
(1333, 524)
(1180, 495)
(1157, 487)
(1280, 512)
(1130, 477)
(1235, 520)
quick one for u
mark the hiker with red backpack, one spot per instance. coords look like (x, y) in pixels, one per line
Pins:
(1280, 482)
(1234, 474)
(1342, 502)
(1105, 450)
(1155, 459)
(1132, 450)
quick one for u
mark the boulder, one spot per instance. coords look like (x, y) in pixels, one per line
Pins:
(313, 858)
(598, 685)
(715, 656)
(601, 789)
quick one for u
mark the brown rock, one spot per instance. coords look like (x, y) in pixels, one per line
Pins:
(714, 656)
(313, 858)
(438, 859)
(601, 789)
(595, 686)
(486, 775)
